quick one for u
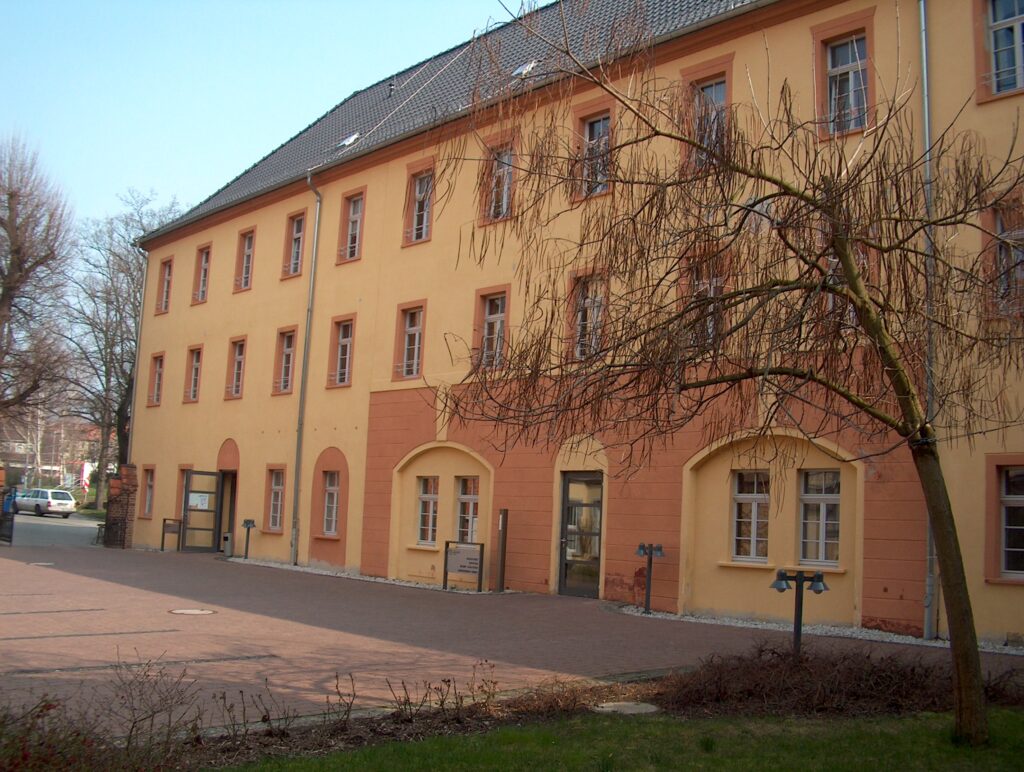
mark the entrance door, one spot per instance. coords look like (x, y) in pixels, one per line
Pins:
(202, 512)
(580, 564)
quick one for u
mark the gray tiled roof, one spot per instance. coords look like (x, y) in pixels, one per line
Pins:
(442, 87)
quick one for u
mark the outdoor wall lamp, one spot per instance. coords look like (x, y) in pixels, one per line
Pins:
(817, 586)
(651, 551)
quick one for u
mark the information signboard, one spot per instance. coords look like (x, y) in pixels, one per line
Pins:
(464, 558)
(199, 500)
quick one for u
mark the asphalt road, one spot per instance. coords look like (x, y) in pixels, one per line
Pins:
(54, 531)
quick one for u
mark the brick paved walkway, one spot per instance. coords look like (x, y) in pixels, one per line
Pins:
(63, 626)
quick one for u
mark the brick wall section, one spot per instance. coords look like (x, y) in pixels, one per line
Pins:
(121, 509)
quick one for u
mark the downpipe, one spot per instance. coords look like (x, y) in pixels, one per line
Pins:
(300, 422)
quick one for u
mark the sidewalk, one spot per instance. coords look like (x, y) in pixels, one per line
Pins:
(63, 626)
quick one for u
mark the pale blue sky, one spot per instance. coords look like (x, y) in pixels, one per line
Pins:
(179, 97)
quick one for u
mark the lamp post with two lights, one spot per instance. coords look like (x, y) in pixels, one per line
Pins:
(817, 586)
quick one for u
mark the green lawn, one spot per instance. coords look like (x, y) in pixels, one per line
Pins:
(661, 742)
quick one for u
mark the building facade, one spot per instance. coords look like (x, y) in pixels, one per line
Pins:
(330, 437)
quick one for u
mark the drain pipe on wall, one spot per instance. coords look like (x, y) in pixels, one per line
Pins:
(930, 585)
(300, 421)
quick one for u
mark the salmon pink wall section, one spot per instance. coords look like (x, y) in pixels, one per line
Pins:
(398, 422)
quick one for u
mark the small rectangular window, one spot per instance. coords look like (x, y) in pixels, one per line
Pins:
(156, 386)
(195, 363)
(412, 342)
(354, 228)
(596, 154)
(1006, 28)
(706, 331)
(331, 493)
(589, 311)
(847, 85)
(237, 366)
(276, 507)
(283, 380)
(499, 192)
(819, 517)
(296, 229)
(709, 118)
(428, 487)
(750, 502)
(147, 507)
(163, 304)
(243, 269)
(343, 354)
(1009, 268)
(422, 195)
(202, 282)
(492, 342)
(1012, 526)
(469, 504)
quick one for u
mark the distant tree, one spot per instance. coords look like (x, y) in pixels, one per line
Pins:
(741, 269)
(35, 247)
(103, 319)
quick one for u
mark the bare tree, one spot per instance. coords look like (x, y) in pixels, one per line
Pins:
(747, 272)
(34, 248)
(103, 322)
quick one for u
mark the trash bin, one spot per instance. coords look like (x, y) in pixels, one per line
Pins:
(228, 551)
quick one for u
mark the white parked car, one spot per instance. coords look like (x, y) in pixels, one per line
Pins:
(45, 501)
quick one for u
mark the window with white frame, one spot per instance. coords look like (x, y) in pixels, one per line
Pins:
(819, 516)
(589, 311)
(1006, 26)
(500, 194)
(156, 392)
(164, 303)
(709, 117)
(343, 354)
(1009, 269)
(596, 154)
(469, 505)
(286, 344)
(237, 368)
(847, 84)
(296, 228)
(147, 508)
(492, 341)
(706, 331)
(195, 358)
(412, 342)
(244, 278)
(202, 275)
(274, 516)
(428, 487)
(331, 493)
(1011, 500)
(422, 193)
(750, 502)
(354, 227)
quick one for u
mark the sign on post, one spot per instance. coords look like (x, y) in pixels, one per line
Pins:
(464, 558)
(171, 526)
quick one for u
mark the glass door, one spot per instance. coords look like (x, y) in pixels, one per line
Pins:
(580, 564)
(202, 510)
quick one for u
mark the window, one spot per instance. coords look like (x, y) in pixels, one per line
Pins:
(243, 265)
(596, 154)
(469, 503)
(709, 117)
(492, 340)
(499, 187)
(1011, 502)
(427, 510)
(707, 304)
(236, 367)
(353, 228)
(275, 499)
(202, 277)
(847, 85)
(819, 517)
(422, 190)
(589, 308)
(1009, 268)
(342, 371)
(331, 492)
(285, 359)
(293, 256)
(148, 486)
(156, 379)
(163, 303)
(412, 342)
(1006, 22)
(750, 516)
(193, 366)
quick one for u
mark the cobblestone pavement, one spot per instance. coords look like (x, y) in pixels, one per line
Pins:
(68, 615)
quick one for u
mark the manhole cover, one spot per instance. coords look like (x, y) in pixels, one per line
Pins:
(41, 564)
(626, 708)
(192, 612)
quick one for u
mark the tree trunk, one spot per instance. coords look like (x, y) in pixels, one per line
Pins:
(968, 687)
(101, 472)
(122, 422)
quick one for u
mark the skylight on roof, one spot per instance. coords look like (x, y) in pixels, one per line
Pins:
(348, 140)
(524, 69)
